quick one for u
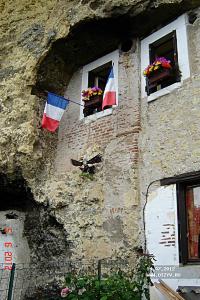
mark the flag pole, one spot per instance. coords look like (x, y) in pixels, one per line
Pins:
(74, 102)
(67, 99)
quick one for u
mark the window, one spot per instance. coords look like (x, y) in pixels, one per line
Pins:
(165, 47)
(96, 74)
(189, 221)
(169, 42)
(98, 78)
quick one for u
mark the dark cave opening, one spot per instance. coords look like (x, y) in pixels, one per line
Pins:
(14, 193)
(38, 241)
(46, 237)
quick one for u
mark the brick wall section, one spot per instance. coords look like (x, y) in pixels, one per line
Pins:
(75, 135)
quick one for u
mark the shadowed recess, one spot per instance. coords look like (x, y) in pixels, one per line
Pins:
(90, 39)
(14, 193)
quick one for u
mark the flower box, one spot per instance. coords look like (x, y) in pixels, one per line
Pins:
(157, 73)
(160, 75)
(94, 104)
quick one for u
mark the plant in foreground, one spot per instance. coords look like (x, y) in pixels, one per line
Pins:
(130, 285)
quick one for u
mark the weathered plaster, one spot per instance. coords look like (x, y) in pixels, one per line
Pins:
(162, 240)
(169, 146)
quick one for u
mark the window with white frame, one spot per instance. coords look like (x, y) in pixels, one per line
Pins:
(95, 74)
(188, 193)
(187, 214)
(164, 59)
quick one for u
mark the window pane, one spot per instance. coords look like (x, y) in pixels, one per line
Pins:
(193, 221)
(98, 77)
(164, 47)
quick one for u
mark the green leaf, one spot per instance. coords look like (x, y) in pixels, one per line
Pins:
(97, 283)
(68, 279)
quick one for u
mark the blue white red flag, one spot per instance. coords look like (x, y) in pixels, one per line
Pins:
(53, 112)
(109, 96)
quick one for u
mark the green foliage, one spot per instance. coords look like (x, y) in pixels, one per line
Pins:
(87, 176)
(121, 285)
(144, 268)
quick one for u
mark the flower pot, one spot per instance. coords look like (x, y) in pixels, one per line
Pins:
(94, 104)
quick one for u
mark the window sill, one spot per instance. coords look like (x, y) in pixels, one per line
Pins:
(164, 91)
(98, 115)
(189, 264)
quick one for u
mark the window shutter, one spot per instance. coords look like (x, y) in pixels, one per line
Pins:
(151, 53)
(178, 77)
(151, 60)
(183, 243)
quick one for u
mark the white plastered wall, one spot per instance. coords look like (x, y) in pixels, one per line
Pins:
(162, 240)
(20, 249)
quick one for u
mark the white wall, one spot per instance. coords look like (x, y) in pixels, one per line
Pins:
(13, 249)
(20, 250)
(162, 239)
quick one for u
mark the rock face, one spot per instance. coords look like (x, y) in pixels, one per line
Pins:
(44, 43)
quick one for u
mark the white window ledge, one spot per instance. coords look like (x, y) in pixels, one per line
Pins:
(98, 115)
(163, 92)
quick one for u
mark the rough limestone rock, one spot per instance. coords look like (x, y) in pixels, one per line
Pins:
(42, 44)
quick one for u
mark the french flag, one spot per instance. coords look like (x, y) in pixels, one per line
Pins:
(109, 96)
(53, 112)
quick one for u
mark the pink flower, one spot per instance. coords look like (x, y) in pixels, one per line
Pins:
(91, 91)
(159, 63)
(65, 292)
